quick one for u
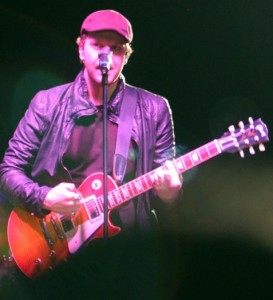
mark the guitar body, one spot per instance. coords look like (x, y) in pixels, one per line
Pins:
(40, 244)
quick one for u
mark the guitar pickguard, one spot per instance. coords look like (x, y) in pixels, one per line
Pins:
(77, 236)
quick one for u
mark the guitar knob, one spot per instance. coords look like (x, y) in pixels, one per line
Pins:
(38, 263)
(53, 255)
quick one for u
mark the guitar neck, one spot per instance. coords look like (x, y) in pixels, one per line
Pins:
(198, 156)
(145, 182)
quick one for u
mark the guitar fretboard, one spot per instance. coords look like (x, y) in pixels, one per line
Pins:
(145, 182)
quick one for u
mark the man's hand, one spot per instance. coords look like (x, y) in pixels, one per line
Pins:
(168, 182)
(64, 199)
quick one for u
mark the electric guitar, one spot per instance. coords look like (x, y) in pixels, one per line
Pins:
(39, 244)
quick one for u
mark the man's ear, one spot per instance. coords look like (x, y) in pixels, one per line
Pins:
(80, 48)
(81, 55)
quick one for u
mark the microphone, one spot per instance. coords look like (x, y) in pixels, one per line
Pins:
(105, 60)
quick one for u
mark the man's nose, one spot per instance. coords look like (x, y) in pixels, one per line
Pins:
(105, 50)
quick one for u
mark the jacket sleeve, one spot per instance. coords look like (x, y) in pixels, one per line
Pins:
(165, 150)
(16, 183)
(165, 140)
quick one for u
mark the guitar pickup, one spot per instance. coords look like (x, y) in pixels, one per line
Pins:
(56, 228)
(46, 233)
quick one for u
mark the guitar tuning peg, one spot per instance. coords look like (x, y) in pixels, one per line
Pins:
(241, 124)
(251, 150)
(242, 154)
(262, 147)
(250, 120)
(231, 128)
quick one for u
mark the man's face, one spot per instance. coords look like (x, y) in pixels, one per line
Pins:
(94, 44)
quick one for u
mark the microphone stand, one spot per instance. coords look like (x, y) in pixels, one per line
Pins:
(105, 150)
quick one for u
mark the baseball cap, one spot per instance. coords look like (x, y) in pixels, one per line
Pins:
(108, 20)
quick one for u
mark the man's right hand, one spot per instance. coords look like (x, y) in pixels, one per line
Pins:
(63, 199)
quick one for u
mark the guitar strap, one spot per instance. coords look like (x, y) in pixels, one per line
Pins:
(126, 117)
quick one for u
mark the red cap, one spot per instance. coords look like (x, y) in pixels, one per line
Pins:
(108, 20)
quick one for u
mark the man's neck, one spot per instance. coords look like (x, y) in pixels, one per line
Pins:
(95, 92)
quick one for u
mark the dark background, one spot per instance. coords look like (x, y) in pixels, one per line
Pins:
(213, 60)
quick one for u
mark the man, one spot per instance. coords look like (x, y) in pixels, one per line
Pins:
(58, 142)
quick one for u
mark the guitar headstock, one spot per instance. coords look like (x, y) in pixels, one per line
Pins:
(245, 136)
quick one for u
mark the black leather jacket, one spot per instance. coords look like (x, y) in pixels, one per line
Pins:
(32, 164)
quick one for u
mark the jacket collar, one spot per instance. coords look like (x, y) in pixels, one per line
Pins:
(82, 97)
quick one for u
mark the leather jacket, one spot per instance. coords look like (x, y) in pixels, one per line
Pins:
(32, 164)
